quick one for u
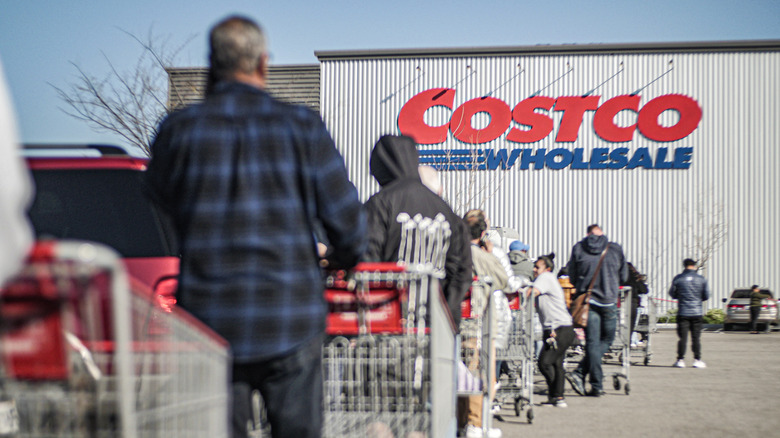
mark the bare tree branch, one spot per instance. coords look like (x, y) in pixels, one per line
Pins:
(130, 104)
(475, 195)
(707, 228)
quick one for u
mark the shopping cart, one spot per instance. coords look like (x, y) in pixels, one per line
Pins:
(619, 352)
(389, 361)
(576, 352)
(517, 384)
(645, 327)
(478, 329)
(83, 356)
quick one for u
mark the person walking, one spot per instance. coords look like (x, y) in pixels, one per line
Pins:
(756, 298)
(586, 256)
(558, 332)
(245, 178)
(690, 289)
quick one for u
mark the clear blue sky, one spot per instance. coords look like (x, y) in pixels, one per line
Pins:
(40, 39)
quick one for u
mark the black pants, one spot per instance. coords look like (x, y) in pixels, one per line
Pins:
(684, 325)
(291, 387)
(551, 360)
(754, 311)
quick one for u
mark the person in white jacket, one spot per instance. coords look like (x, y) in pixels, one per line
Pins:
(16, 191)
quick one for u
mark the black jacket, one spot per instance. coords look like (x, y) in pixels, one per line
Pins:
(582, 264)
(689, 289)
(637, 282)
(394, 163)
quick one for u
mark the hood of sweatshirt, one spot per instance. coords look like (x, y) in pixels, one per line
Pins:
(394, 157)
(516, 257)
(593, 244)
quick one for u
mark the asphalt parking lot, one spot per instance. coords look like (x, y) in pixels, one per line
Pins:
(736, 395)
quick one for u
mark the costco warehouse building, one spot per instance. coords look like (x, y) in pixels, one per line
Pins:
(672, 148)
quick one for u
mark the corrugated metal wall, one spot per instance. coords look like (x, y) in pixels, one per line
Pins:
(657, 215)
(186, 86)
(298, 84)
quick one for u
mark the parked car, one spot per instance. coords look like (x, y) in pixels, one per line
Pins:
(96, 193)
(738, 310)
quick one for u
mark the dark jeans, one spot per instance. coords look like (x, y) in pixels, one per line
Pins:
(754, 312)
(551, 360)
(599, 334)
(684, 325)
(291, 387)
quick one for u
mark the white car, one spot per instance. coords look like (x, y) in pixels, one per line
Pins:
(738, 310)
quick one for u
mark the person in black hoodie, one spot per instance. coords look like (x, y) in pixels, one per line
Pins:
(393, 163)
(603, 313)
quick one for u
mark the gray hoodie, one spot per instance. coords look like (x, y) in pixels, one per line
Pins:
(522, 266)
(584, 260)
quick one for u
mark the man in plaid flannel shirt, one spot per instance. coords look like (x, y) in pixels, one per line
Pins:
(246, 180)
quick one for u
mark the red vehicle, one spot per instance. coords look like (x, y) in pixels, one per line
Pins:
(96, 193)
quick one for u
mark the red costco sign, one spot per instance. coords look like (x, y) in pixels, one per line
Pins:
(532, 126)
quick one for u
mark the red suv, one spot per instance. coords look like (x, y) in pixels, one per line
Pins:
(96, 193)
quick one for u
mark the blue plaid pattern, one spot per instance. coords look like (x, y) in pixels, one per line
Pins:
(245, 178)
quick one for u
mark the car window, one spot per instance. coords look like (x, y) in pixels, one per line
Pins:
(100, 205)
(741, 294)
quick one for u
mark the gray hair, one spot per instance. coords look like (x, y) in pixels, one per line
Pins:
(237, 44)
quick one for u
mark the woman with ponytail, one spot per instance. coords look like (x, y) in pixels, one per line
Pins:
(558, 333)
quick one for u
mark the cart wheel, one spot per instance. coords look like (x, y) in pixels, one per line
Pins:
(518, 407)
(647, 360)
(530, 415)
(627, 389)
(616, 383)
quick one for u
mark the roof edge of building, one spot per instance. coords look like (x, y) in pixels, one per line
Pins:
(563, 49)
(200, 68)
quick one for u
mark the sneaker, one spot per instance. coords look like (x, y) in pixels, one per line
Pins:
(595, 392)
(476, 432)
(679, 364)
(699, 364)
(555, 403)
(496, 409)
(576, 383)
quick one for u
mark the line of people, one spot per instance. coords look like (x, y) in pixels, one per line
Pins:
(250, 181)
(556, 322)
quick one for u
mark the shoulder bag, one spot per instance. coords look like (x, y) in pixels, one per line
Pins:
(581, 305)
